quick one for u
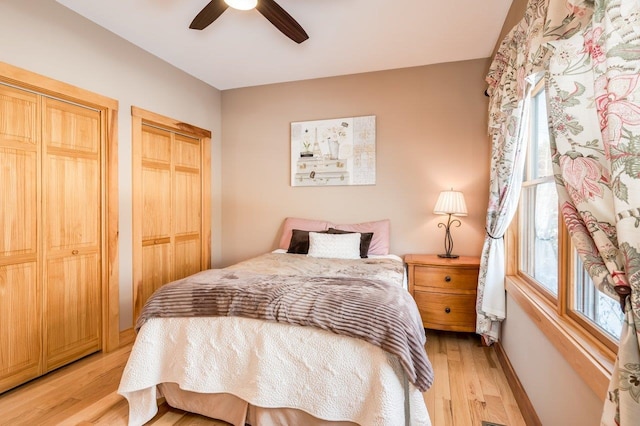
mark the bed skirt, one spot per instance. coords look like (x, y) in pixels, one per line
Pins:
(238, 412)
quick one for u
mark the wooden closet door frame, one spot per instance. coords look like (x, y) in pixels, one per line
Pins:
(140, 117)
(108, 108)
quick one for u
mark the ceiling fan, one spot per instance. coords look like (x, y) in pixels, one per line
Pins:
(268, 8)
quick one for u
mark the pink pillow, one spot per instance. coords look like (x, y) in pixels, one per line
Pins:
(291, 223)
(381, 231)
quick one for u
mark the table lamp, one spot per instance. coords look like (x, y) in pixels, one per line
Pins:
(450, 203)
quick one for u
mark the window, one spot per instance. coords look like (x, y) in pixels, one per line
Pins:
(546, 258)
(594, 305)
(539, 205)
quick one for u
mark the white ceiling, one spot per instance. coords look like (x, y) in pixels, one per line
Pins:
(242, 48)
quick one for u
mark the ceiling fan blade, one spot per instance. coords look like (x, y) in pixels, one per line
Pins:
(282, 20)
(208, 14)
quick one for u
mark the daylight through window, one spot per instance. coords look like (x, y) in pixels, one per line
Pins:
(546, 259)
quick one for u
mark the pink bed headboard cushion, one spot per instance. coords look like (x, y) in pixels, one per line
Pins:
(291, 223)
(381, 231)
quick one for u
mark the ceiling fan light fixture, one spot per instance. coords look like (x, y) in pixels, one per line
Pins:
(242, 4)
(267, 8)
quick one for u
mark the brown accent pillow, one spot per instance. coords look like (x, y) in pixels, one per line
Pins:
(299, 243)
(365, 240)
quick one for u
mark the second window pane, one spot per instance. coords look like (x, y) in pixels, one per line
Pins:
(546, 237)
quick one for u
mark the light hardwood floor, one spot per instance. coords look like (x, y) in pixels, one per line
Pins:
(470, 387)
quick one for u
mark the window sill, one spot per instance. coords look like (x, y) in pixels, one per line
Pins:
(592, 360)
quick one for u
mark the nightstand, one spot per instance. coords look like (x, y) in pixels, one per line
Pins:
(444, 290)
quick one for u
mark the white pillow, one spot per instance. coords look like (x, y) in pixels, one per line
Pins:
(334, 246)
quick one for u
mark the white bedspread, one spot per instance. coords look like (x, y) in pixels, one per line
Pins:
(285, 366)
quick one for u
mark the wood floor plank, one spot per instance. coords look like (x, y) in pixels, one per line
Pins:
(430, 402)
(470, 371)
(441, 381)
(117, 415)
(43, 411)
(478, 411)
(71, 379)
(94, 393)
(469, 387)
(509, 403)
(495, 410)
(444, 413)
(167, 419)
(484, 368)
(452, 347)
(459, 401)
(165, 414)
(88, 413)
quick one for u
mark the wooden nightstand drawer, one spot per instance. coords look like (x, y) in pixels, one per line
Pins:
(446, 277)
(444, 290)
(445, 311)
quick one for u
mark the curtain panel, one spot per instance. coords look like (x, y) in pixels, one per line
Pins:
(591, 54)
(521, 54)
(593, 88)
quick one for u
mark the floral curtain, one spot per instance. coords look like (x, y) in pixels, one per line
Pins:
(590, 51)
(521, 54)
(593, 88)
(507, 164)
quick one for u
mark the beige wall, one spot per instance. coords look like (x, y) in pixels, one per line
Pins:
(431, 135)
(557, 392)
(47, 38)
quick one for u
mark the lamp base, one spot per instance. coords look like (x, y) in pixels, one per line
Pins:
(449, 256)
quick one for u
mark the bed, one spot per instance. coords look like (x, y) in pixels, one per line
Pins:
(286, 338)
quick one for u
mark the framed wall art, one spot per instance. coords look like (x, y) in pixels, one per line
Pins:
(339, 151)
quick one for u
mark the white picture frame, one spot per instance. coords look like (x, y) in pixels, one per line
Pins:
(338, 151)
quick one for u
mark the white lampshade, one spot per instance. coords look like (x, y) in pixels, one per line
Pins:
(242, 4)
(451, 202)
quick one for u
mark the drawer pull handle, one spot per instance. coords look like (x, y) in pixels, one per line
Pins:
(447, 310)
(74, 252)
(447, 278)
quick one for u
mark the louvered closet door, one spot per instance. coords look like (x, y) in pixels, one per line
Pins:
(171, 210)
(72, 240)
(20, 288)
